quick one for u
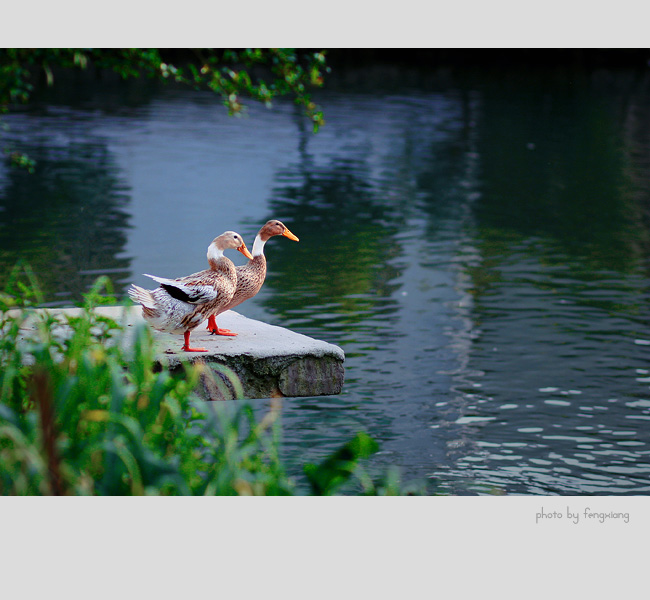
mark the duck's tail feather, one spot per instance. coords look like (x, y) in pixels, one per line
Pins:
(144, 297)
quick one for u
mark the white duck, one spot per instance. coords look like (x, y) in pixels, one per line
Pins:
(180, 305)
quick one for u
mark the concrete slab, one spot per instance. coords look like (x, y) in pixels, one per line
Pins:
(262, 361)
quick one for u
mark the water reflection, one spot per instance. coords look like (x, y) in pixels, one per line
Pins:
(343, 265)
(558, 171)
(67, 220)
(560, 299)
(571, 349)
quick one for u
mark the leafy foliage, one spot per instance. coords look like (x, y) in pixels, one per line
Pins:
(260, 74)
(82, 413)
(338, 468)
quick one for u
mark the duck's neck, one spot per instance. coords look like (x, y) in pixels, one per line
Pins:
(215, 256)
(258, 246)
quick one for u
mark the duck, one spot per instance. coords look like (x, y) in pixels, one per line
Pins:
(250, 276)
(180, 305)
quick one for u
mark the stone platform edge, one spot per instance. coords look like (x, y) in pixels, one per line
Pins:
(262, 361)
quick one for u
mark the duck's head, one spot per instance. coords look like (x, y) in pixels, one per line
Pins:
(228, 239)
(275, 227)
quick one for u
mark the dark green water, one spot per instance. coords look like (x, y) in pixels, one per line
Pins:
(477, 243)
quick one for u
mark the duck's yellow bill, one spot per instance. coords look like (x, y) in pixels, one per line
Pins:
(290, 235)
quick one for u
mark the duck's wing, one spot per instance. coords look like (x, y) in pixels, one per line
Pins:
(192, 293)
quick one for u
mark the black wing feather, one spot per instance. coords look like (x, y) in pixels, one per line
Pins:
(179, 294)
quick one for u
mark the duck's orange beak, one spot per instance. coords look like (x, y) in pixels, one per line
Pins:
(290, 235)
(245, 251)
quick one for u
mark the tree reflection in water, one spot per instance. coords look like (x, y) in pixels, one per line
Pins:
(343, 261)
(67, 220)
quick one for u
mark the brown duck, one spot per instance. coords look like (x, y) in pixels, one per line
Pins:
(250, 276)
(180, 305)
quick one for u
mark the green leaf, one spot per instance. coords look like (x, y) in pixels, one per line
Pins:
(335, 470)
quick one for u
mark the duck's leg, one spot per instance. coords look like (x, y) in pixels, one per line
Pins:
(186, 346)
(214, 329)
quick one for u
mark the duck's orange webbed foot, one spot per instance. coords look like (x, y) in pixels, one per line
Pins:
(218, 331)
(214, 329)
